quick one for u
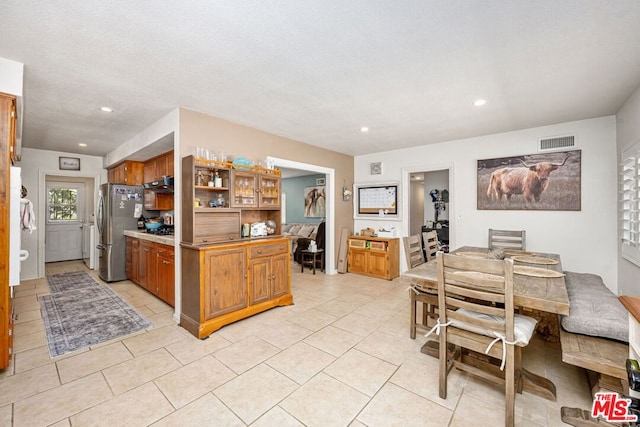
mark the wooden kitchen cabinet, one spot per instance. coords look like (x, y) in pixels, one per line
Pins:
(225, 281)
(132, 258)
(255, 189)
(228, 282)
(127, 173)
(152, 266)
(158, 201)
(374, 256)
(203, 224)
(166, 289)
(268, 271)
(147, 265)
(7, 147)
(158, 167)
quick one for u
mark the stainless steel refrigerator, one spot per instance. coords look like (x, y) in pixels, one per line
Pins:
(116, 212)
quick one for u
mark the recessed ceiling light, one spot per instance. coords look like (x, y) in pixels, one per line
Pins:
(82, 144)
(479, 102)
(364, 129)
(106, 109)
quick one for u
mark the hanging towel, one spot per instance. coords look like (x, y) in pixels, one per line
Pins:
(28, 217)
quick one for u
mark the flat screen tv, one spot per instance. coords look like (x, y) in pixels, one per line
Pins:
(375, 198)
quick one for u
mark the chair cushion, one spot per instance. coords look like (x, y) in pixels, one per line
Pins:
(594, 309)
(286, 228)
(523, 326)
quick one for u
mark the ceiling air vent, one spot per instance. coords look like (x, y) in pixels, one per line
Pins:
(556, 143)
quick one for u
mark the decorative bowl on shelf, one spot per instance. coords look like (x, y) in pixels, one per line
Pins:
(152, 225)
(241, 163)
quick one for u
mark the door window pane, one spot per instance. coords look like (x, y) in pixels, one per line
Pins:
(62, 204)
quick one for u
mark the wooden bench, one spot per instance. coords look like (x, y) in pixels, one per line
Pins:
(605, 362)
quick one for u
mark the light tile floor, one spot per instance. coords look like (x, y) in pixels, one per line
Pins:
(340, 356)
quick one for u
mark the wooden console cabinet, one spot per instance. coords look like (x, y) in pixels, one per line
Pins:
(228, 282)
(374, 256)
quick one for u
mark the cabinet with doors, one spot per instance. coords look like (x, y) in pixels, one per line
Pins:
(131, 258)
(157, 168)
(374, 256)
(269, 271)
(152, 266)
(228, 282)
(128, 173)
(154, 172)
(255, 190)
(7, 154)
(214, 209)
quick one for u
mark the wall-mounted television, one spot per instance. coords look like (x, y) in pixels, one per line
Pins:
(375, 198)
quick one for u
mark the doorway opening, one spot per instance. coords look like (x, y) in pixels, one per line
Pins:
(66, 214)
(323, 206)
(428, 204)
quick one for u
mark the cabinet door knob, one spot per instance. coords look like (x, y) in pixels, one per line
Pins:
(259, 251)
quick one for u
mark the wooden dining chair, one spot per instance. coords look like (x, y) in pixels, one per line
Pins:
(413, 250)
(430, 244)
(415, 257)
(507, 239)
(479, 316)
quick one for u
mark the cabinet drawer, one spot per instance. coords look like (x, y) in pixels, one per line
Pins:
(269, 249)
(378, 246)
(355, 243)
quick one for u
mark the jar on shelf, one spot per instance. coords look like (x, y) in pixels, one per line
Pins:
(220, 201)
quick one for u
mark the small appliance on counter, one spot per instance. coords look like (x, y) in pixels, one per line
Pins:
(258, 229)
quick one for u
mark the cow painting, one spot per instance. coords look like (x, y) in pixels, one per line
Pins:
(543, 182)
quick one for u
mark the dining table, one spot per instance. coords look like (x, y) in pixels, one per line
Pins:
(534, 290)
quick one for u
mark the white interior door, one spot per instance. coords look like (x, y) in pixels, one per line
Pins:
(66, 211)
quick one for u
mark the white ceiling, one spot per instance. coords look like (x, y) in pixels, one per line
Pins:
(318, 70)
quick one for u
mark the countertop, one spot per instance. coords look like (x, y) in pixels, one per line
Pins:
(632, 304)
(164, 240)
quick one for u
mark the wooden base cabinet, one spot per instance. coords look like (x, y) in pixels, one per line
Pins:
(374, 256)
(152, 266)
(225, 283)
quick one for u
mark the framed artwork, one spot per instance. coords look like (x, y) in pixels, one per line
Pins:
(69, 163)
(544, 181)
(376, 168)
(314, 201)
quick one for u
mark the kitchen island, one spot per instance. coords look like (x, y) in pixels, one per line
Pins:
(150, 263)
(226, 282)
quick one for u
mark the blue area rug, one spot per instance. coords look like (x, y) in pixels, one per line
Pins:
(80, 313)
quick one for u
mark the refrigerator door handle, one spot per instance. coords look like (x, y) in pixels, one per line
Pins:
(100, 219)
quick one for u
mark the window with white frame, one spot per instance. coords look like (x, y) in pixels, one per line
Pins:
(62, 205)
(630, 203)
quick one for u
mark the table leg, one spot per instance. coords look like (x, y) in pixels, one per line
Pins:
(313, 260)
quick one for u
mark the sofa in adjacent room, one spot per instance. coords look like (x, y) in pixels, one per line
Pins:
(296, 231)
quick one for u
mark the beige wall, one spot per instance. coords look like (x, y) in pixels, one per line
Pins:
(201, 130)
